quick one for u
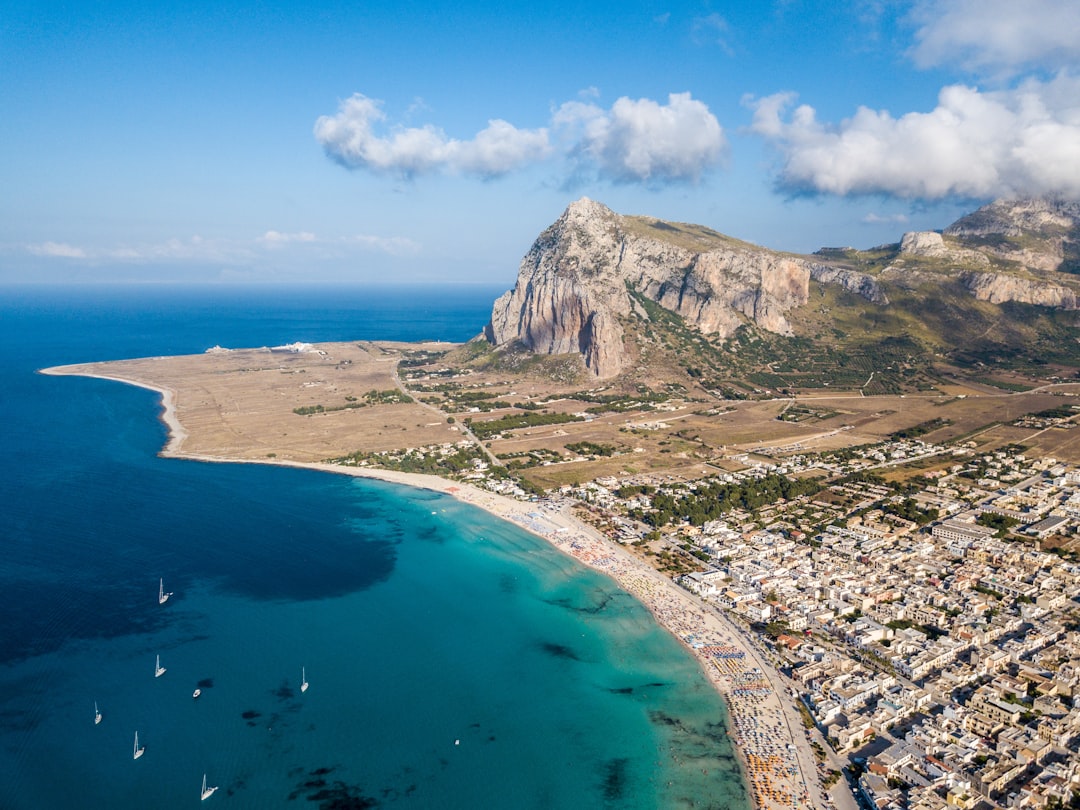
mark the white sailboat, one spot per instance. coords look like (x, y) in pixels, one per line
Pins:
(138, 751)
(159, 670)
(196, 693)
(97, 714)
(162, 597)
(207, 792)
(303, 679)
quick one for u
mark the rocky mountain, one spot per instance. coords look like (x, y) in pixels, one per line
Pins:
(587, 279)
(576, 284)
(1038, 234)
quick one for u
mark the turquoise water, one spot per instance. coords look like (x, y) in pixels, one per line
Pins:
(455, 661)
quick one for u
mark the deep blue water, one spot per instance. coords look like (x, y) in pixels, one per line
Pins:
(455, 661)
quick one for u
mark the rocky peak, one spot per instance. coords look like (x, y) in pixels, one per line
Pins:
(586, 212)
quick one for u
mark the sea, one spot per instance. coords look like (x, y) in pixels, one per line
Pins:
(453, 659)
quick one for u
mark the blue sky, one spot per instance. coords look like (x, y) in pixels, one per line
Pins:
(433, 141)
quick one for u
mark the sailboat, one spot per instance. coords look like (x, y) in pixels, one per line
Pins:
(303, 679)
(97, 714)
(207, 792)
(159, 670)
(162, 597)
(138, 751)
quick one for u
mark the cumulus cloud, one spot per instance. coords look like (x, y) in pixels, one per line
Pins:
(997, 36)
(633, 141)
(350, 138)
(642, 140)
(972, 144)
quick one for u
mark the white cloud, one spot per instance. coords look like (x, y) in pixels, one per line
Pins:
(278, 239)
(634, 141)
(997, 36)
(499, 149)
(643, 140)
(712, 29)
(350, 138)
(226, 251)
(57, 250)
(973, 144)
(887, 219)
(394, 245)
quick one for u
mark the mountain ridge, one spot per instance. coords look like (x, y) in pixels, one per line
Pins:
(578, 285)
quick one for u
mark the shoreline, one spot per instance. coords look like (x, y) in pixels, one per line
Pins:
(773, 757)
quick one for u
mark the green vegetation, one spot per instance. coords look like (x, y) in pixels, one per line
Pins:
(480, 355)
(775, 629)
(909, 509)
(524, 459)
(711, 499)
(1002, 384)
(802, 413)
(1055, 413)
(921, 429)
(485, 430)
(419, 357)
(988, 592)
(433, 461)
(642, 399)
(391, 396)
(592, 449)
(993, 521)
(753, 360)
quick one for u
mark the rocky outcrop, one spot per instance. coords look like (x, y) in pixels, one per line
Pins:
(932, 245)
(859, 283)
(997, 288)
(923, 243)
(573, 285)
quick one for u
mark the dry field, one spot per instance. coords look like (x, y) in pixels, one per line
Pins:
(241, 404)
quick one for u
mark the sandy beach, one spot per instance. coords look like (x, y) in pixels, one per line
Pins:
(779, 767)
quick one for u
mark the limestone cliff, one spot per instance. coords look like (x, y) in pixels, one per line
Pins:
(572, 289)
(997, 288)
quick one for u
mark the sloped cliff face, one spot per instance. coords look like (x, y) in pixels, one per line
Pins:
(572, 286)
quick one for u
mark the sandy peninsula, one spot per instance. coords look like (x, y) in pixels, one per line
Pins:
(241, 406)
